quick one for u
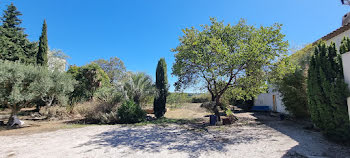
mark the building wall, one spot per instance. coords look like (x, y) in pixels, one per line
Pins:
(266, 99)
(337, 39)
(346, 67)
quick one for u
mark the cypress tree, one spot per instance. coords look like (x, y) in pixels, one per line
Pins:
(14, 45)
(162, 89)
(327, 91)
(43, 47)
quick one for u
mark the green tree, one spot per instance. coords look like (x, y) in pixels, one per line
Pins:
(162, 89)
(22, 85)
(55, 88)
(90, 77)
(138, 87)
(293, 91)
(14, 45)
(228, 58)
(327, 91)
(114, 67)
(43, 47)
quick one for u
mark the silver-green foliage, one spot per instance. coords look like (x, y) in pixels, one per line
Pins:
(21, 85)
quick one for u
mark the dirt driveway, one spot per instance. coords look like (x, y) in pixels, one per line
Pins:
(248, 138)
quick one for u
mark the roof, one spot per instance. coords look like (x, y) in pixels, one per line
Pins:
(334, 33)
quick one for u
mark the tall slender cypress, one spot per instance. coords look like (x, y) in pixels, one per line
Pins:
(43, 47)
(162, 89)
(327, 92)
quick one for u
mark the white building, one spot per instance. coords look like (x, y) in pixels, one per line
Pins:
(272, 99)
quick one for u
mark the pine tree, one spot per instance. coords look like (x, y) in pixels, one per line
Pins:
(14, 45)
(43, 47)
(327, 91)
(10, 18)
(162, 89)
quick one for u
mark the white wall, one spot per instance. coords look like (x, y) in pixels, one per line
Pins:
(337, 39)
(266, 99)
(346, 67)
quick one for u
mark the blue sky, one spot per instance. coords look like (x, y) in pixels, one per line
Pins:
(140, 32)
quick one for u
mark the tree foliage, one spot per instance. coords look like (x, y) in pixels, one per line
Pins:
(43, 47)
(292, 85)
(21, 85)
(162, 89)
(14, 45)
(114, 67)
(54, 87)
(90, 77)
(235, 58)
(293, 92)
(138, 87)
(327, 91)
(57, 60)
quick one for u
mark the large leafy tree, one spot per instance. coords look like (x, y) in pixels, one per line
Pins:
(90, 77)
(21, 85)
(43, 47)
(328, 92)
(228, 58)
(162, 88)
(14, 45)
(114, 67)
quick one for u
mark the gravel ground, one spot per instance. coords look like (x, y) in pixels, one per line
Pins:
(269, 138)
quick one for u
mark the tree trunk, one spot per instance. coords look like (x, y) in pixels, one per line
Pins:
(216, 110)
(14, 111)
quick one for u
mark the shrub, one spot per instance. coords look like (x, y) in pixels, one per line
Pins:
(108, 95)
(129, 112)
(54, 112)
(201, 98)
(293, 91)
(209, 106)
(98, 112)
(327, 92)
(178, 98)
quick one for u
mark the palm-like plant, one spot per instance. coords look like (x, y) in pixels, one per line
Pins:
(138, 87)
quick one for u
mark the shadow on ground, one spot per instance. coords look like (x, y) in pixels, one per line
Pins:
(192, 141)
(311, 143)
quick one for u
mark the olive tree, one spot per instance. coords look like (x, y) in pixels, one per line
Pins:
(22, 85)
(228, 58)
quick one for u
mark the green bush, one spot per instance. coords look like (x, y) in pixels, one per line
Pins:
(176, 99)
(293, 91)
(129, 112)
(109, 95)
(90, 78)
(327, 92)
(201, 98)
